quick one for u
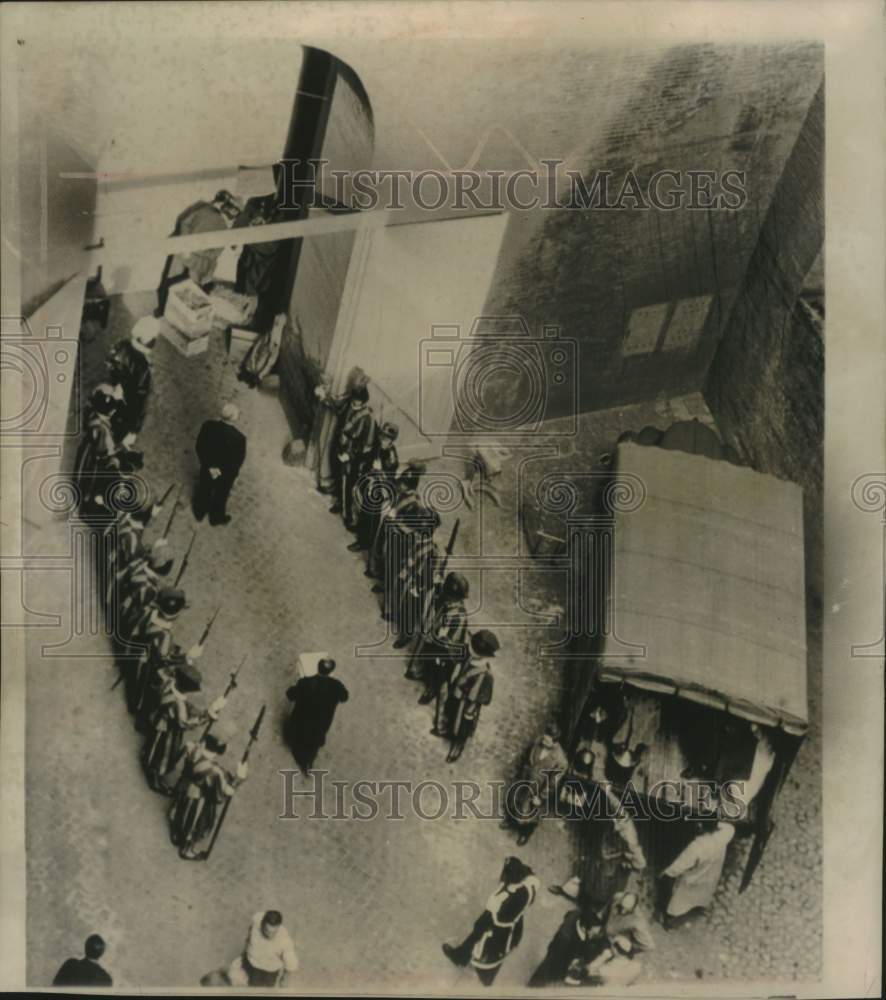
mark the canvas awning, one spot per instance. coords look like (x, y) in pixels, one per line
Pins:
(709, 577)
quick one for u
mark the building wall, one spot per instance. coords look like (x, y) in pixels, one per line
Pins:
(643, 293)
(765, 386)
(592, 273)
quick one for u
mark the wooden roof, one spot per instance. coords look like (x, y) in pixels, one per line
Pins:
(709, 578)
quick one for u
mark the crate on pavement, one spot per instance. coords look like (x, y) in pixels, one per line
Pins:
(188, 309)
(187, 344)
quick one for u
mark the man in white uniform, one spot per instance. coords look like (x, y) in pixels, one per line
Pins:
(268, 957)
(696, 872)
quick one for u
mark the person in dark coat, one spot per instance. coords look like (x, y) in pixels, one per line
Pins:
(499, 928)
(130, 365)
(261, 267)
(579, 936)
(315, 700)
(199, 266)
(221, 448)
(85, 971)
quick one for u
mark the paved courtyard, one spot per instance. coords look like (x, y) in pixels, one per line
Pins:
(368, 901)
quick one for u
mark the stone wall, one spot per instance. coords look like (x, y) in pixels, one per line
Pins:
(765, 387)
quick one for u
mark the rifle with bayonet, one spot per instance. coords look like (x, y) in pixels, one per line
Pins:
(165, 496)
(202, 641)
(184, 565)
(253, 736)
(232, 683)
(175, 507)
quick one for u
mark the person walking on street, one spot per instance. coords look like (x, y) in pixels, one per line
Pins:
(315, 700)
(545, 766)
(221, 449)
(85, 971)
(499, 928)
(268, 958)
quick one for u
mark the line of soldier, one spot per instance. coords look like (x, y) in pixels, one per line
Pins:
(161, 681)
(425, 606)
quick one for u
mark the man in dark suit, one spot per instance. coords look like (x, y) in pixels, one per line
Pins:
(221, 449)
(85, 971)
(315, 700)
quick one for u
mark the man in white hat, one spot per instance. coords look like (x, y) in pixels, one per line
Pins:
(221, 449)
(129, 365)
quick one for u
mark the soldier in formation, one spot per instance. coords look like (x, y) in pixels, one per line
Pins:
(202, 790)
(162, 684)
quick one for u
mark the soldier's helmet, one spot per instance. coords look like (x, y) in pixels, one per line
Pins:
(484, 643)
(170, 601)
(455, 586)
(389, 430)
(106, 398)
(159, 562)
(215, 743)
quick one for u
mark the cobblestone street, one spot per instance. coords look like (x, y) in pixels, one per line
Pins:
(368, 902)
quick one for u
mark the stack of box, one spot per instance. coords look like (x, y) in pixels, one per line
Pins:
(188, 317)
(229, 308)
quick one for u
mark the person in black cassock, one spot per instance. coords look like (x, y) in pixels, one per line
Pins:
(221, 448)
(315, 700)
(85, 971)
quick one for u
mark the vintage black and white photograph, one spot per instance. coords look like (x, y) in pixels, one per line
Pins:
(417, 561)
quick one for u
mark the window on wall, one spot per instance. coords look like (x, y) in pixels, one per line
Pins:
(667, 326)
(644, 328)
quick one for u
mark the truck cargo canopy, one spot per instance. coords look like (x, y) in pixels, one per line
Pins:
(709, 577)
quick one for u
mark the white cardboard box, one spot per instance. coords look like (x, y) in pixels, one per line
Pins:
(188, 309)
(189, 346)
